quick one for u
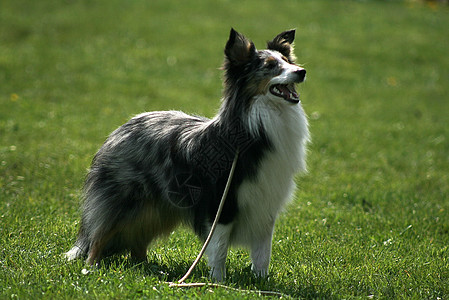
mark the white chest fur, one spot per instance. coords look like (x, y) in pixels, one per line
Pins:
(261, 199)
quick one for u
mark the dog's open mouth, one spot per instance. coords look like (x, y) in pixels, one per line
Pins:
(286, 91)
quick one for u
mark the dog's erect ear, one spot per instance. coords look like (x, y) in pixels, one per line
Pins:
(283, 43)
(239, 49)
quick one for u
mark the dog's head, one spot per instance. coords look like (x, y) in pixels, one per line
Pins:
(272, 72)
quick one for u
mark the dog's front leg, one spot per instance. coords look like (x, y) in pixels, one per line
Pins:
(261, 254)
(217, 251)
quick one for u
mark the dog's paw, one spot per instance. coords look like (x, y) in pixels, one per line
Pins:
(73, 253)
(218, 274)
(261, 273)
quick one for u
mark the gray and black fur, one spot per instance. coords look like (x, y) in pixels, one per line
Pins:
(165, 168)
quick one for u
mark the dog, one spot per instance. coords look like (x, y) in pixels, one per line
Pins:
(164, 168)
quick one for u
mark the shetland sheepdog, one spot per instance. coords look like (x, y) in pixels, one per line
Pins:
(164, 168)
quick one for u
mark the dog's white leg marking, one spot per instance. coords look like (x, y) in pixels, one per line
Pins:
(261, 254)
(73, 253)
(217, 251)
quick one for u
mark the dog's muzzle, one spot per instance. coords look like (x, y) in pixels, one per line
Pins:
(288, 91)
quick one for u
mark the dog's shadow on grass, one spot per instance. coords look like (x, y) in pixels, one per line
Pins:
(242, 279)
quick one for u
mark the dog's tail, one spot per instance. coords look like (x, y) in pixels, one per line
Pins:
(80, 248)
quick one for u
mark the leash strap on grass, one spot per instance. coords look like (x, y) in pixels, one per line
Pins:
(217, 216)
(216, 285)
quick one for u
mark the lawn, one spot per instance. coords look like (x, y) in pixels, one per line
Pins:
(369, 220)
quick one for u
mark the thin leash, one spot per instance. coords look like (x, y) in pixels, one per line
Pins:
(181, 282)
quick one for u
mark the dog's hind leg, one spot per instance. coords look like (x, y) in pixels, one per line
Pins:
(151, 222)
(74, 253)
(139, 254)
(99, 246)
(80, 248)
(116, 242)
(139, 244)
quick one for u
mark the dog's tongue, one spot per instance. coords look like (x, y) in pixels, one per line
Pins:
(286, 92)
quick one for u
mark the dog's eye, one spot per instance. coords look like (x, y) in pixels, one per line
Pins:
(270, 63)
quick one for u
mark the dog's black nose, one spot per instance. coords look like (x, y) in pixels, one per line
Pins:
(301, 75)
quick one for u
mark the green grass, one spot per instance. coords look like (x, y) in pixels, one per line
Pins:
(370, 219)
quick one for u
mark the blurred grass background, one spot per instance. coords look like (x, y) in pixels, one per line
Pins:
(370, 219)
